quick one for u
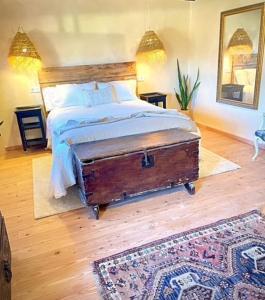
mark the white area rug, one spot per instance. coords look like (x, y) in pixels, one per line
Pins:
(45, 205)
(212, 164)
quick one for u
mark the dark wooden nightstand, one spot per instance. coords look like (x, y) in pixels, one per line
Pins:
(155, 98)
(233, 91)
(30, 118)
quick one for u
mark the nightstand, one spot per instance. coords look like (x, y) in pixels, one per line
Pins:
(233, 91)
(155, 98)
(30, 118)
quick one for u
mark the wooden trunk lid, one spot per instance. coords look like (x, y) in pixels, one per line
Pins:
(132, 143)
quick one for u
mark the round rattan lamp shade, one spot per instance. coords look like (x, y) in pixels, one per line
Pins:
(240, 43)
(23, 56)
(151, 48)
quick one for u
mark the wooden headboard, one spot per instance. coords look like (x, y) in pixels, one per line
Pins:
(79, 74)
(245, 61)
(53, 76)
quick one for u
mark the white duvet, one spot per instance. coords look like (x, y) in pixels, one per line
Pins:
(71, 125)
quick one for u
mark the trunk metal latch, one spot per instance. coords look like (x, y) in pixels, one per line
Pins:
(148, 161)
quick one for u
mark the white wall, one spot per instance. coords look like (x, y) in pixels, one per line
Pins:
(100, 31)
(205, 26)
(76, 32)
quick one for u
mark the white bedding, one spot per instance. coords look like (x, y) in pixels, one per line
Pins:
(248, 94)
(247, 77)
(73, 125)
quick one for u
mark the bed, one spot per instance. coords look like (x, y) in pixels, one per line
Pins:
(244, 74)
(79, 123)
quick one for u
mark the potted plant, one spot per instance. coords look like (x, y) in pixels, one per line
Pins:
(186, 92)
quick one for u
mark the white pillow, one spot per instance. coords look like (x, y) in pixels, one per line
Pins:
(49, 97)
(125, 90)
(241, 77)
(88, 86)
(70, 95)
(66, 95)
(101, 96)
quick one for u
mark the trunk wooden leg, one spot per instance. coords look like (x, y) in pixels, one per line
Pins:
(95, 209)
(190, 187)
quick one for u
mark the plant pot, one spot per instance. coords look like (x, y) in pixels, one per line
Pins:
(186, 112)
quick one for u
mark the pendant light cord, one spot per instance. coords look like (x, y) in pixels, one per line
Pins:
(147, 15)
(20, 29)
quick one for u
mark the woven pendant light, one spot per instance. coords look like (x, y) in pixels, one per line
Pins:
(150, 42)
(151, 48)
(23, 56)
(240, 43)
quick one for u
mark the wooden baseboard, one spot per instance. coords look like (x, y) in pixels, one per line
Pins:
(235, 137)
(13, 148)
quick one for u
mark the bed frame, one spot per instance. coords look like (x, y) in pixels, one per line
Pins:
(150, 162)
(80, 74)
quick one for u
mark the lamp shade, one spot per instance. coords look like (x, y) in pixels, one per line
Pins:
(151, 48)
(23, 56)
(240, 43)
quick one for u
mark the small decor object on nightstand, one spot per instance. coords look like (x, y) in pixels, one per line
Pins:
(155, 98)
(29, 118)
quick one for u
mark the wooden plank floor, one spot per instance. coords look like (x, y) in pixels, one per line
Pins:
(52, 257)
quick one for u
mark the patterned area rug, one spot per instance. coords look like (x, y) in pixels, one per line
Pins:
(221, 261)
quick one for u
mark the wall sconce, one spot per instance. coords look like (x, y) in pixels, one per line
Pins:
(23, 55)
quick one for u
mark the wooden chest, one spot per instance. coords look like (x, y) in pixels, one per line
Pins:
(5, 263)
(117, 168)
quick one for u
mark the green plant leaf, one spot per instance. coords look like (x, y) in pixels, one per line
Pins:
(178, 97)
(196, 85)
(181, 87)
(184, 96)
